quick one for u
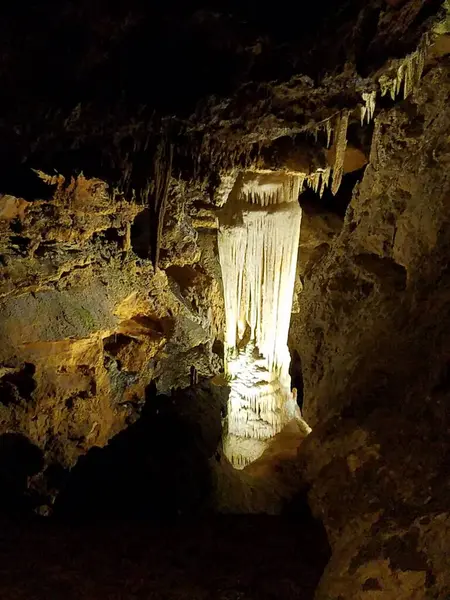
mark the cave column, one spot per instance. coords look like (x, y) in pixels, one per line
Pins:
(258, 247)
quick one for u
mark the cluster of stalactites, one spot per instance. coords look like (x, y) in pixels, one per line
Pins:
(369, 106)
(320, 179)
(267, 193)
(408, 74)
(265, 189)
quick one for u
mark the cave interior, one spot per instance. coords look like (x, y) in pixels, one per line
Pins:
(224, 304)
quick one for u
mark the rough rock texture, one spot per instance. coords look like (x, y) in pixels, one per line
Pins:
(375, 348)
(86, 323)
(220, 81)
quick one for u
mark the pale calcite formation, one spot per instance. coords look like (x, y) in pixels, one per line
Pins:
(341, 146)
(408, 73)
(370, 103)
(258, 256)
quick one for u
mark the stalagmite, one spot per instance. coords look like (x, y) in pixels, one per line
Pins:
(341, 146)
(258, 249)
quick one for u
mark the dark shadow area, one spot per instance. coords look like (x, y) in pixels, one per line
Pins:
(134, 519)
(109, 237)
(116, 342)
(22, 182)
(184, 276)
(140, 234)
(18, 386)
(390, 274)
(295, 371)
(19, 459)
(225, 558)
(157, 467)
(219, 348)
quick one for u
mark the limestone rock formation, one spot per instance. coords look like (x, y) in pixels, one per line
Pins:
(86, 323)
(374, 348)
(125, 131)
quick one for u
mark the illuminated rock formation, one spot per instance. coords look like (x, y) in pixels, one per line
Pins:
(258, 254)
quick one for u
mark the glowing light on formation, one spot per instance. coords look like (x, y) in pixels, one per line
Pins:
(258, 254)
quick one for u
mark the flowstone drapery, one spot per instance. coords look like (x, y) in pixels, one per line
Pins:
(258, 249)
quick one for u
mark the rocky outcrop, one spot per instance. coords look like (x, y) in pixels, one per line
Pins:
(374, 349)
(86, 323)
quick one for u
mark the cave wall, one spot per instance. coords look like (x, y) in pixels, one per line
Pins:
(374, 340)
(87, 322)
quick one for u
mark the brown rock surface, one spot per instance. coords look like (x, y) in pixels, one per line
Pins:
(374, 347)
(354, 159)
(84, 321)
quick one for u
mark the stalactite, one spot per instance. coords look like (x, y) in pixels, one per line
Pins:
(368, 110)
(325, 180)
(388, 85)
(341, 146)
(157, 194)
(409, 72)
(258, 258)
(329, 130)
(301, 182)
(314, 180)
(319, 180)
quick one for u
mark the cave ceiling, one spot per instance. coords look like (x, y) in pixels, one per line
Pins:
(103, 90)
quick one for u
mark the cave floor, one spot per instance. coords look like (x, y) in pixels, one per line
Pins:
(222, 558)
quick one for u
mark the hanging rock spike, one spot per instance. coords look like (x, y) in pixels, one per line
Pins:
(329, 132)
(368, 110)
(409, 72)
(341, 146)
(326, 174)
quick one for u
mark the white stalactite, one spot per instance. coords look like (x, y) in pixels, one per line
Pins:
(319, 180)
(368, 110)
(301, 182)
(341, 146)
(314, 180)
(258, 257)
(329, 132)
(409, 72)
(325, 181)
